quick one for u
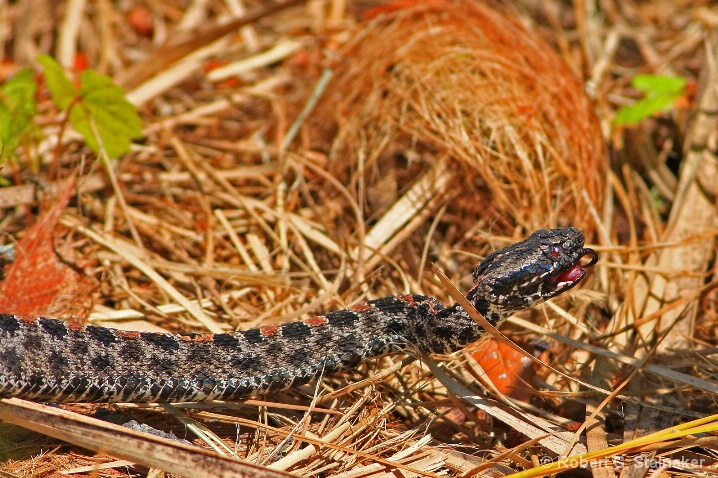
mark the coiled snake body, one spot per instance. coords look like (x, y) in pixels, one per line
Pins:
(50, 360)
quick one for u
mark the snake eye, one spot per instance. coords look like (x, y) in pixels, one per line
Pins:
(554, 251)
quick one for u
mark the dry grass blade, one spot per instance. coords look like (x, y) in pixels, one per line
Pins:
(95, 468)
(133, 259)
(199, 430)
(417, 201)
(168, 54)
(689, 380)
(704, 425)
(320, 443)
(306, 452)
(121, 442)
(547, 434)
(26, 194)
(278, 52)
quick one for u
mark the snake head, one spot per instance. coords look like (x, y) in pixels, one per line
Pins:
(542, 266)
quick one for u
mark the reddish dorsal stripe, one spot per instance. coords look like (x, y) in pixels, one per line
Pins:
(75, 327)
(127, 334)
(202, 338)
(408, 299)
(316, 321)
(269, 330)
(361, 307)
(26, 319)
(197, 338)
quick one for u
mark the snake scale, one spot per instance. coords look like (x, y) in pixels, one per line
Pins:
(51, 360)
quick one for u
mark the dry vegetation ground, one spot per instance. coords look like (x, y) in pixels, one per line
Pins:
(311, 156)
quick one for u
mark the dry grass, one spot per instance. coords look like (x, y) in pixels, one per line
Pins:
(464, 84)
(445, 130)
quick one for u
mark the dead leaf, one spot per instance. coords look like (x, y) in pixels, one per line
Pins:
(38, 283)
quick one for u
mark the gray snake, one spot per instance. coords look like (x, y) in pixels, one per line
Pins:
(51, 360)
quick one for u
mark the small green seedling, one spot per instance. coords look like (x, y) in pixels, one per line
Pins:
(98, 109)
(660, 92)
(18, 107)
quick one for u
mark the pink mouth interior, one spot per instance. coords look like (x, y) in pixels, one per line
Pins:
(570, 275)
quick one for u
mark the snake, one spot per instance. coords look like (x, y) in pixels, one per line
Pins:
(50, 360)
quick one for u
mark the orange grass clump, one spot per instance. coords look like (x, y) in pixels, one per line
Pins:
(465, 81)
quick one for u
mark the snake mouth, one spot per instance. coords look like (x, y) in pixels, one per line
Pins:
(575, 274)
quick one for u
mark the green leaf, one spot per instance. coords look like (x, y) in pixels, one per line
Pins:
(660, 92)
(643, 109)
(98, 111)
(61, 88)
(656, 84)
(17, 108)
(115, 119)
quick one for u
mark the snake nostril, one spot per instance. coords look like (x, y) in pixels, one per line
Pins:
(588, 252)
